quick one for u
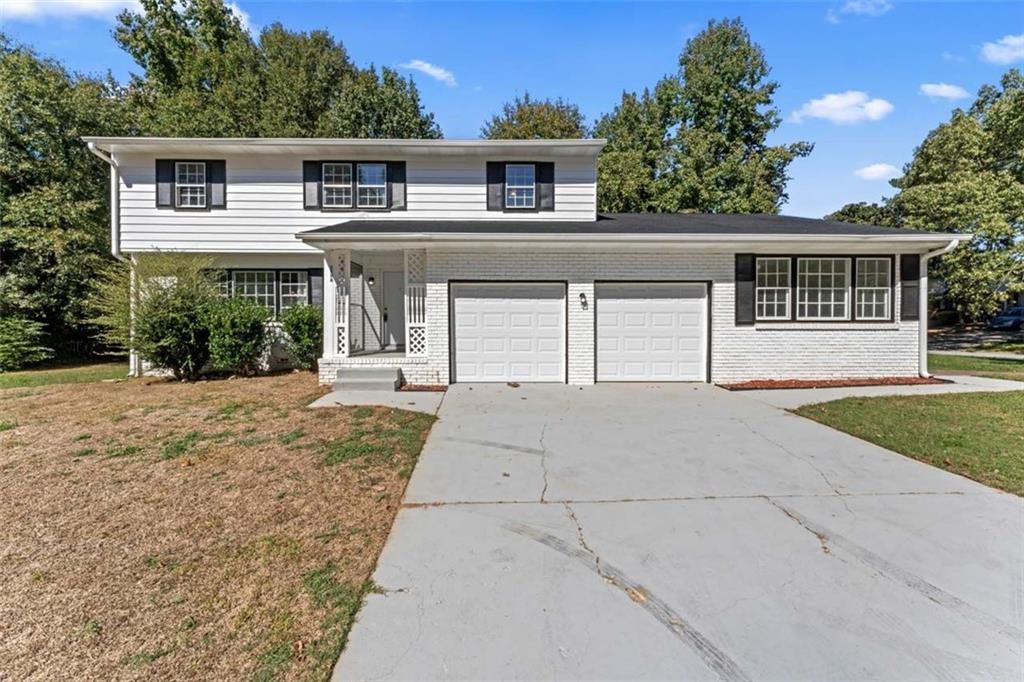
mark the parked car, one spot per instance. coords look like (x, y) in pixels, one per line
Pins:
(1008, 320)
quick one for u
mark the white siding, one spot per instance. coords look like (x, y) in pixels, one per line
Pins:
(738, 353)
(265, 209)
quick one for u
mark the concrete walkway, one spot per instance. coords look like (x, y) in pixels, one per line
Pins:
(684, 532)
(415, 401)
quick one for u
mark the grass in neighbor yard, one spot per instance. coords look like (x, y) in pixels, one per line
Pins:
(1004, 346)
(996, 368)
(217, 530)
(64, 375)
(977, 435)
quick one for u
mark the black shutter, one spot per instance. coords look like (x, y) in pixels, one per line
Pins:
(396, 184)
(164, 183)
(495, 185)
(216, 183)
(316, 288)
(745, 280)
(910, 286)
(311, 171)
(545, 174)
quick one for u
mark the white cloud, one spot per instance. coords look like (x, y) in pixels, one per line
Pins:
(241, 14)
(950, 57)
(943, 91)
(1006, 50)
(37, 9)
(869, 8)
(852, 106)
(436, 72)
(877, 171)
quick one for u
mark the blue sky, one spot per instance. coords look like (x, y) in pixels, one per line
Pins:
(854, 73)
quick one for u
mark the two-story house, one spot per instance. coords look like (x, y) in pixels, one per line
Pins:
(479, 260)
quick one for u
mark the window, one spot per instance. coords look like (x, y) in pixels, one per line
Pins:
(520, 185)
(773, 286)
(257, 285)
(822, 288)
(337, 184)
(372, 185)
(190, 184)
(874, 288)
(294, 288)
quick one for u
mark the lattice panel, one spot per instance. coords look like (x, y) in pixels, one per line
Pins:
(342, 343)
(415, 267)
(417, 342)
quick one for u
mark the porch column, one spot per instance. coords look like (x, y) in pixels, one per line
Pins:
(337, 279)
(415, 303)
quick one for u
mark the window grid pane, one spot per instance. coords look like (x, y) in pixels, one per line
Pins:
(772, 289)
(190, 184)
(293, 288)
(520, 186)
(822, 285)
(372, 188)
(873, 288)
(257, 285)
(337, 184)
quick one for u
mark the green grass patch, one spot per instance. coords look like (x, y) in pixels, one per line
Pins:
(1004, 346)
(977, 435)
(340, 602)
(179, 446)
(64, 375)
(122, 451)
(84, 452)
(996, 368)
(6, 425)
(144, 658)
(291, 436)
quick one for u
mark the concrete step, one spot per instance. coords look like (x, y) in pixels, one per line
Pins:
(368, 379)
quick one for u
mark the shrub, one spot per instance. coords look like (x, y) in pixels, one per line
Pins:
(21, 343)
(164, 316)
(239, 338)
(304, 333)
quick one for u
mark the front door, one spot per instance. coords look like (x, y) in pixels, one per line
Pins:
(394, 309)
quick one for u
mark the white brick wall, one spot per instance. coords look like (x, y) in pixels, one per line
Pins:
(775, 351)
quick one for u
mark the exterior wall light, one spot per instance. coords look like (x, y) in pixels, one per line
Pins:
(583, 300)
(370, 280)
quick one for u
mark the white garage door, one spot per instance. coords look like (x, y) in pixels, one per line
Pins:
(651, 332)
(509, 332)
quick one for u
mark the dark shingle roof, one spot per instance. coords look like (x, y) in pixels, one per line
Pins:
(621, 223)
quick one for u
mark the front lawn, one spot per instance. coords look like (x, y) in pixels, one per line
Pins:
(65, 375)
(996, 368)
(1004, 346)
(977, 435)
(217, 530)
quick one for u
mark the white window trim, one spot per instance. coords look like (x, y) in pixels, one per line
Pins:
(533, 195)
(178, 184)
(888, 290)
(788, 289)
(273, 308)
(304, 276)
(849, 291)
(337, 185)
(383, 185)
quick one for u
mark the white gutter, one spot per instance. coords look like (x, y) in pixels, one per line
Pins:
(922, 302)
(614, 238)
(115, 199)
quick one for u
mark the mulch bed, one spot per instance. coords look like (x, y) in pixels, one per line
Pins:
(424, 388)
(771, 384)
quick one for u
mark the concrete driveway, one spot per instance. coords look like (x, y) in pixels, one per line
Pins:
(684, 532)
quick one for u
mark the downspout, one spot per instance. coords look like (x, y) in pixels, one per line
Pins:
(922, 305)
(115, 198)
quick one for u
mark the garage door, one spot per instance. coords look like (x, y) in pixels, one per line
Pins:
(509, 332)
(651, 332)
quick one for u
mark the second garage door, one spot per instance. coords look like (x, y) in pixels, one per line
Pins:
(509, 332)
(652, 332)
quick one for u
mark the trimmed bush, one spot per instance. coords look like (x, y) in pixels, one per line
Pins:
(239, 338)
(21, 343)
(304, 333)
(172, 331)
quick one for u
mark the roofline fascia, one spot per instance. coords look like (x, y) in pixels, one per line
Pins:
(562, 237)
(104, 143)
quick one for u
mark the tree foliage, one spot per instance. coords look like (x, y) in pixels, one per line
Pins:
(21, 343)
(526, 118)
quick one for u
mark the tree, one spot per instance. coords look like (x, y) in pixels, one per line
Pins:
(525, 118)
(54, 207)
(628, 165)
(384, 106)
(867, 214)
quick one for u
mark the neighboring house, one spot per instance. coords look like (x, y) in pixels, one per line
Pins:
(478, 260)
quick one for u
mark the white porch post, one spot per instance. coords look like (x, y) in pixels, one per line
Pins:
(415, 303)
(337, 279)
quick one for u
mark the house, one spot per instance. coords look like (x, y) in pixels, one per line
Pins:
(480, 260)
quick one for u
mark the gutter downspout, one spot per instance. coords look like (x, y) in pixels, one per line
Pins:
(922, 304)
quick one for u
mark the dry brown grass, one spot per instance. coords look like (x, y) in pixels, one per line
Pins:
(216, 530)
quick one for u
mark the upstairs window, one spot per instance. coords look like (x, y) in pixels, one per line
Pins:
(823, 289)
(294, 288)
(874, 288)
(520, 185)
(190, 184)
(337, 180)
(372, 185)
(773, 288)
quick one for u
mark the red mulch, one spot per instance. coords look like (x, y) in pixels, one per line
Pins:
(830, 383)
(427, 388)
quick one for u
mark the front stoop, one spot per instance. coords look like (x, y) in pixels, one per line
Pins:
(368, 379)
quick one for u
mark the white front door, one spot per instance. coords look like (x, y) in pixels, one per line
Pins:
(508, 332)
(394, 309)
(650, 331)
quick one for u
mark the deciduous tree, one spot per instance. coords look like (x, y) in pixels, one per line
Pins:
(525, 118)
